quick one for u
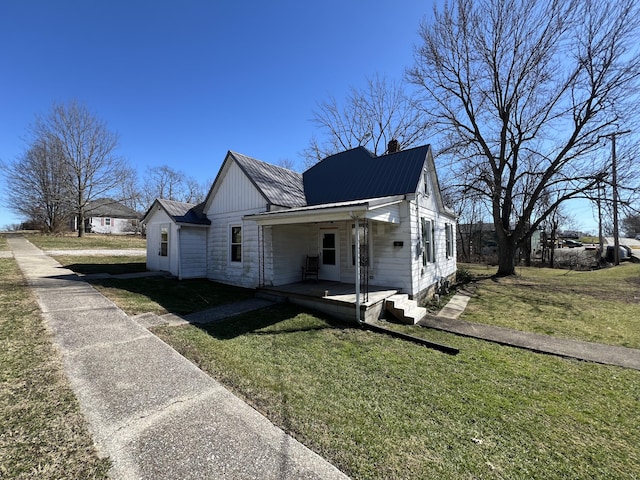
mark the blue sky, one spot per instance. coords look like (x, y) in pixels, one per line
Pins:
(182, 82)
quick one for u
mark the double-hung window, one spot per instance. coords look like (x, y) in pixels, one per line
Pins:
(428, 249)
(236, 243)
(448, 230)
(164, 241)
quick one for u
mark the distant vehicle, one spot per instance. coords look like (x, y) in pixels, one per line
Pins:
(572, 243)
(490, 248)
(625, 253)
(638, 236)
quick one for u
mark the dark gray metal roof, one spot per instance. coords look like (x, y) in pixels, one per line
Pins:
(107, 207)
(182, 212)
(278, 185)
(358, 174)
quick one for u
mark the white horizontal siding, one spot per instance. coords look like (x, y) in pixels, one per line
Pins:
(291, 245)
(219, 266)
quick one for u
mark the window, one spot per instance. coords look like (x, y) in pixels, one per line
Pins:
(236, 244)
(328, 248)
(448, 231)
(164, 241)
(425, 179)
(427, 242)
(107, 222)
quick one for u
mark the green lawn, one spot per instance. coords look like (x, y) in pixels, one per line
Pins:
(89, 241)
(383, 408)
(598, 306)
(161, 295)
(43, 435)
(3, 242)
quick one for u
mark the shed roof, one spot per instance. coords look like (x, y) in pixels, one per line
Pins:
(182, 212)
(358, 174)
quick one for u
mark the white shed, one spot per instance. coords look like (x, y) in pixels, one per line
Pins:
(177, 238)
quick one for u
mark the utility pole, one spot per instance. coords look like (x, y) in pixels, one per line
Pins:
(614, 186)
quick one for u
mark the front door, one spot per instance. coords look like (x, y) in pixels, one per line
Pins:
(329, 255)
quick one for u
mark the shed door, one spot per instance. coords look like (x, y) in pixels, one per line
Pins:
(163, 247)
(329, 255)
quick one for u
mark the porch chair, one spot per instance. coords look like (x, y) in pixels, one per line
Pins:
(311, 268)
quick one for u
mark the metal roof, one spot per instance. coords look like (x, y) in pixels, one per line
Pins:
(278, 185)
(358, 174)
(182, 212)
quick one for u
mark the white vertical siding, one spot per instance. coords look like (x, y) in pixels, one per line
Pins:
(234, 198)
(235, 193)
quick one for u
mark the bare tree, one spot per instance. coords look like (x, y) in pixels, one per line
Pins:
(87, 155)
(36, 186)
(368, 117)
(523, 93)
(165, 182)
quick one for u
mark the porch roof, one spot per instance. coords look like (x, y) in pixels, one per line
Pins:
(382, 209)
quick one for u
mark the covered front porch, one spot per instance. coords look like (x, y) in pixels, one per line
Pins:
(334, 298)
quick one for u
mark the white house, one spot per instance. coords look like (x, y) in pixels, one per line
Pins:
(380, 219)
(105, 215)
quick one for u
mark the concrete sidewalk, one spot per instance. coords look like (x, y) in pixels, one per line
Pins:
(448, 320)
(154, 413)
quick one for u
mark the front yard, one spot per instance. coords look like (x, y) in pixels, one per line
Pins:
(382, 408)
(375, 406)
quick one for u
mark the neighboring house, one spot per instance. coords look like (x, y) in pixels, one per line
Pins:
(108, 216)
(266, 220)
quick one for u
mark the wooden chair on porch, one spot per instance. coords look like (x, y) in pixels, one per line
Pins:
(311, 267)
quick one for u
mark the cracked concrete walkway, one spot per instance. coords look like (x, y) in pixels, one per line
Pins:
(154, 413)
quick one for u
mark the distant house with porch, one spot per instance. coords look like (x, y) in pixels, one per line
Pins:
(366, 221)
(108, 216)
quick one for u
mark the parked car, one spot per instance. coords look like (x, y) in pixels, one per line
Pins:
(572, 243)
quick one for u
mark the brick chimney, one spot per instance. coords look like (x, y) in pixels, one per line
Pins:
(393, 146)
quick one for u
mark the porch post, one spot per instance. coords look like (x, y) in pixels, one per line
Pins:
(357, 262)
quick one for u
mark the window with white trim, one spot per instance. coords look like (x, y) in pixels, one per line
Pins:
(428, 248)
(164, 241)
(448, 231)
(236, 243)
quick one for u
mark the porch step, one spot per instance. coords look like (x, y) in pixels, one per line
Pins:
(405, 310)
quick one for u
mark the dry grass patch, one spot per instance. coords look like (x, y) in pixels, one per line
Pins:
(598, 306)
(42, 432)
(89, 241)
